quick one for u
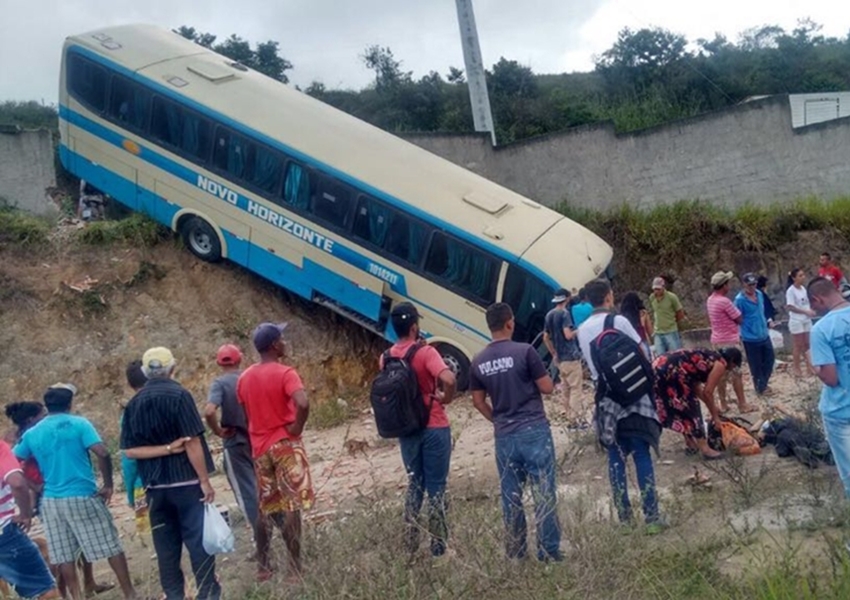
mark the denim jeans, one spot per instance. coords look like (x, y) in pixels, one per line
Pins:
(529, 454)
(760, 357)
(641, 452)
(177, 519)
(838, 435)
(667, 342)
(21, 564)
(426, 456)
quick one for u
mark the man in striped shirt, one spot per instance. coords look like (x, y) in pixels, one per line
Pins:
(21, 563)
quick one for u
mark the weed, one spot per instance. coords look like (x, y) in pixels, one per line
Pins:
(137, 229)
(329, 413)
(237, 326)
(20, 228)
(746, 481)
(146, 272)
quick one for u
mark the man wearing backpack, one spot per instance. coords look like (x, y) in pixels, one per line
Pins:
(426, 453)
(624, 425)
(559, 335)
(514, 377)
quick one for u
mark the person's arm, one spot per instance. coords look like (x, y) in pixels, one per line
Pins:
(195, 454)
(21, 493)
(828, 374)
(104, 463)
(545, 385)
(568, 326)
(707, 390)
(448, 382)
(537, 371)
(479, 401)
(547, 341)
(823, 358)
(214, 400)
(440, 371)
(733, 310)
(145, 452)
(302, 411)
(647, 324)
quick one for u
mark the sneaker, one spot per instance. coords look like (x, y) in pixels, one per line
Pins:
(657, 527)
(444, 559)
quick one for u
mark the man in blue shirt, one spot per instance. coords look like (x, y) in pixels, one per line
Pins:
(74, 511)
(831, 359)
(755, 335)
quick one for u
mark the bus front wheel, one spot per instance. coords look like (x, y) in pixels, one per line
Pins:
(458, 363)
(201, 239)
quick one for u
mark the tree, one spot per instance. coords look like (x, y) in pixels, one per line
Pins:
(654, 48)
(455, 75)
(388, 73)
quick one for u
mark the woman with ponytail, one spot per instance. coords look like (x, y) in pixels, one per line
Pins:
(799, 318)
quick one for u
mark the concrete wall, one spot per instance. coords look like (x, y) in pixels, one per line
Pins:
(26, 169)
(744, 154)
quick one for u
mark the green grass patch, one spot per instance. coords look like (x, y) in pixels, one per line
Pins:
(20, 228)
(329, 413)
(136, 229)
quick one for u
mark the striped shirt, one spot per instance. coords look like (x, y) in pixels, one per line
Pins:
(723, 316)
(8, 465)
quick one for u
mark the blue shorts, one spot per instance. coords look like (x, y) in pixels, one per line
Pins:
(21, 564)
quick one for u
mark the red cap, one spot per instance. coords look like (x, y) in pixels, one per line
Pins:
(228, 356)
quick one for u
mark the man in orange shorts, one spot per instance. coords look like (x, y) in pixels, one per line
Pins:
(277, 408)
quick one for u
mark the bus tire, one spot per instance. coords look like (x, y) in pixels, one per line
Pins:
(201, 239)
(458, 363)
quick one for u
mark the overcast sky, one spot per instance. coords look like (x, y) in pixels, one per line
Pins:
(323, 38)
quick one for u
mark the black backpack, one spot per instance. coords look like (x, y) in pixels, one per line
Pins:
(397, 398)
(622, 367)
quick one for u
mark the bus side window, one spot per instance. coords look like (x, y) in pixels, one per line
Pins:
(333, 202)
(267, 168)
(530, 300)
(180, 128)
(406, 238)
(370, 221)
(128, 103)
(463, 267)
(87, 82)
(296, 187)
(233, 154)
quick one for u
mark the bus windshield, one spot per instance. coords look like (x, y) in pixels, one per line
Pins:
(530, 300)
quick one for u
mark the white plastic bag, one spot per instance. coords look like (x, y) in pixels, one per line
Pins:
(776, 339)
(218, 537)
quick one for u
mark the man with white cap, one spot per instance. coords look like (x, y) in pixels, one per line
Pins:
(561, 338)
(277, 408)
(163, 430)
(667, 313)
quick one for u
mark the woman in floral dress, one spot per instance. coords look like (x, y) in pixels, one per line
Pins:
(682, 379)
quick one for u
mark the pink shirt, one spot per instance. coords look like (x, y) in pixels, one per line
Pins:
(722, 314)
(427, 364)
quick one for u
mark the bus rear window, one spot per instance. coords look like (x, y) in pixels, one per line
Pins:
(530, 300)
(87, 82)
(463, 267)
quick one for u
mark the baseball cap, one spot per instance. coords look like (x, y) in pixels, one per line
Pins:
(750, 279)
(721, 277)
(404, 311)
(58, 393)
(267, 334)
(561, 295)
(157, 358)
(658, 283)
(228, 355)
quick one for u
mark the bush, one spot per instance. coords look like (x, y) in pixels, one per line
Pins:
(136, 229)
(20, 228)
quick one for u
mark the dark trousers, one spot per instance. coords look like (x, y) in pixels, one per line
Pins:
(177, 519)
(617, 454)
(760, 357)
(239, 466)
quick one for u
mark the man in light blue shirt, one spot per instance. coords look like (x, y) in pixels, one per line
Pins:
(755, 334)
(830, 343)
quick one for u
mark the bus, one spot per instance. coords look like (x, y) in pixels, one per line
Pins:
(330, 208)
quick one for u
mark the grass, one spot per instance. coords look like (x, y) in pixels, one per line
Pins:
(136, 229)
(20, 228)
(329, 413)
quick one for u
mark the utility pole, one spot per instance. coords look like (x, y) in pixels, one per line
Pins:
(476, 78)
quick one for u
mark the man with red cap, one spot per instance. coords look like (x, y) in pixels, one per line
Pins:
(233, 430)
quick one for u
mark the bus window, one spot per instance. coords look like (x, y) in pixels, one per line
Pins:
(333, 202)
(233, 154)
(180, 128)
(530, 300)
(128, 103)
(389, 229)
(463, 267)
(87, 82)
(296, 187)
(267, 168)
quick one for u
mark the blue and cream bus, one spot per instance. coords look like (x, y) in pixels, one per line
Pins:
(330, 208)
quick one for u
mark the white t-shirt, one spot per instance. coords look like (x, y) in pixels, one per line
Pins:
(798, 298)
(592, 327)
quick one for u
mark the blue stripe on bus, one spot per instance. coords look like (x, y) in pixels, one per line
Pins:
(302, 281)
(364, 187)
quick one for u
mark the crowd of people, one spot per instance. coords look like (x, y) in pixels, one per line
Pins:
(260, 413)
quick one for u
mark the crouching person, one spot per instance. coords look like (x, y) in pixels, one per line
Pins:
(514, 377)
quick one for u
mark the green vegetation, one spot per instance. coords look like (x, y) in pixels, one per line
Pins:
(20, 228)
(329, 413)
(29, 115)
(136, 229)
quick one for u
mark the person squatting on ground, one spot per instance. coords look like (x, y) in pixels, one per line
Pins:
(831, 360)
(514, 377)
(755, 334)
(800, 315)
(233, 430)
(73, 510)
(560, 336)
(667, 313)
(276, 407)
(164, 432)
(623, 431)
(682, 379)
(426, 454)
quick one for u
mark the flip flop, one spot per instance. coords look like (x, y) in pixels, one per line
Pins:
(716, 457)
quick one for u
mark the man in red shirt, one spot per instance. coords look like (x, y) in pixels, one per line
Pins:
(426, 454)
(828, 270)
(277, 407)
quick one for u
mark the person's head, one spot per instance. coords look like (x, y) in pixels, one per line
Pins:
(761, 284)
(25, 414)
(228, 357)
(825, 259)
(749, 280)
(796, 276)
(136, 377)
(732, 356)
(600, 294)
(268, 340)
(630, 307)
(561, 297)
(822, 295)
(500, 320)
(58, 397)
(158, 363)
(720, 281)
(405, 320)
(659, 285)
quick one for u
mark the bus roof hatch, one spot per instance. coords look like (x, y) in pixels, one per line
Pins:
(211, 71)
(488, 204)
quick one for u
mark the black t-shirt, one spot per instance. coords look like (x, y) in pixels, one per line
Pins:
(223, 395)
(556, 321)
(507, 371)
(158, 414)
